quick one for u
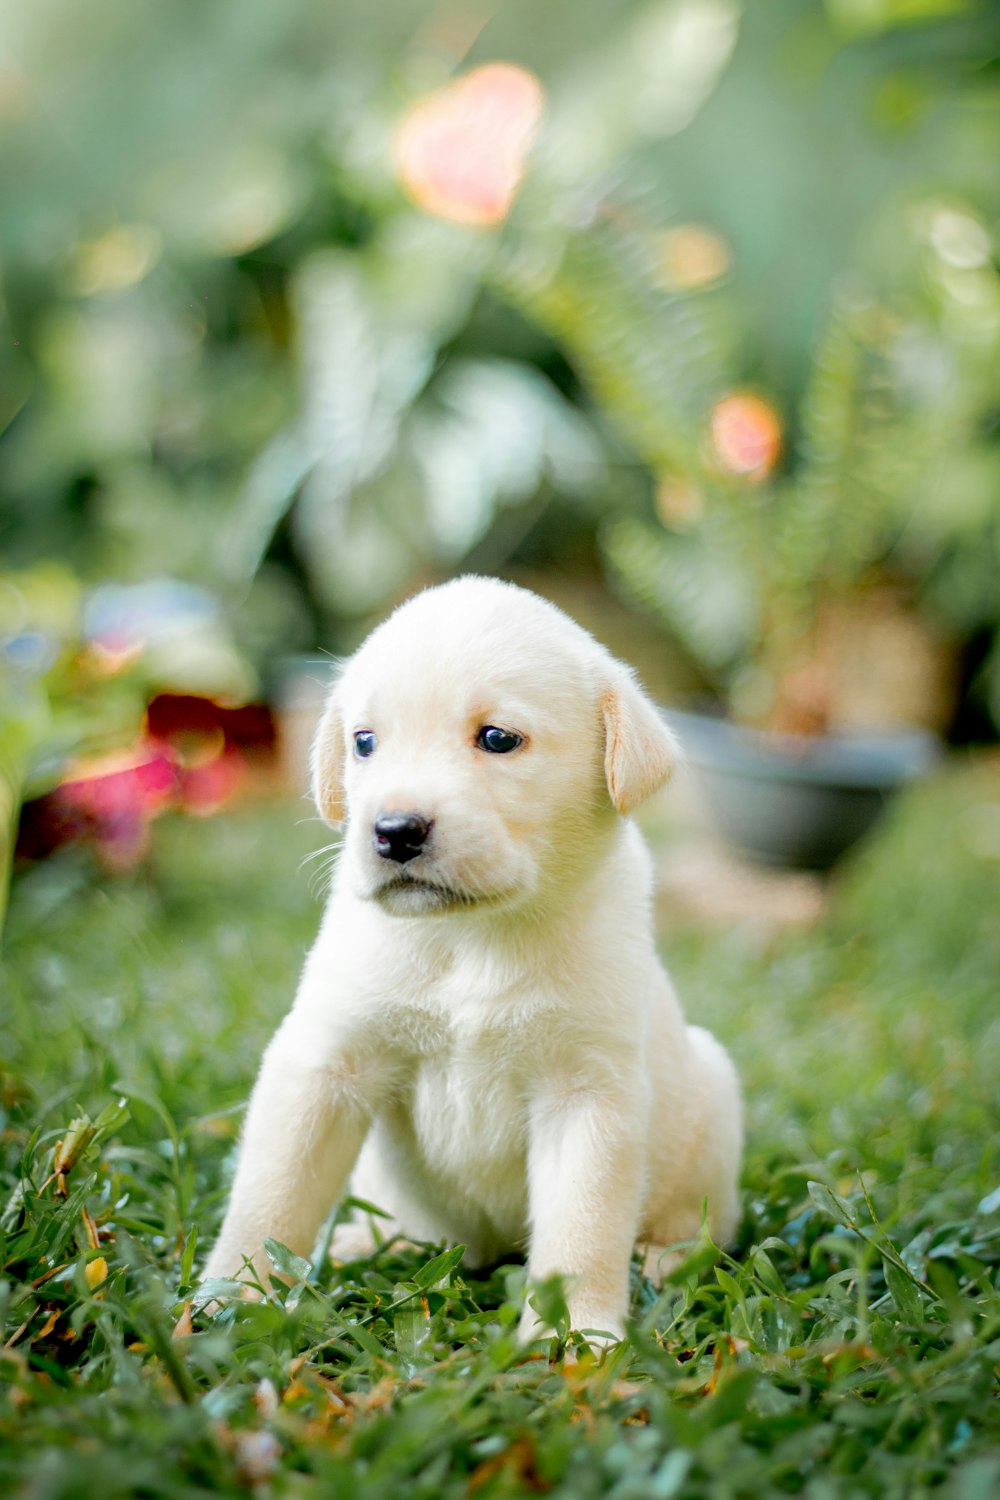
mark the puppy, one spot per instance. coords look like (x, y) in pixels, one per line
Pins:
(483, 1034)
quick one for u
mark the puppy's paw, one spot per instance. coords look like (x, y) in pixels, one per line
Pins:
(600, 1329)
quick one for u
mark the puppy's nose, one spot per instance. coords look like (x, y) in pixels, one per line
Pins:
(400, 836)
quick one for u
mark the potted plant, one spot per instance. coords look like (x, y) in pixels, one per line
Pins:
(797, 586)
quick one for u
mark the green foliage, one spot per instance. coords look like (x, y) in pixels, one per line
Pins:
(890, 464)
(236, 354)
(52, 700)
(894, 431)
(847, 1346)
(695, 585)
(650, 357)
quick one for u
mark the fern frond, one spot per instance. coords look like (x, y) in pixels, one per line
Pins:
(691, 584)
(652, 358)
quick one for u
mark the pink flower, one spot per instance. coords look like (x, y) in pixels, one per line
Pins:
(114, 800)
(460, 152)
(194, 755)
(746, 435)
(210, 784)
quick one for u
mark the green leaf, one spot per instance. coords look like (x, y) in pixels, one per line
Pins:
(436, 1274)
(765, 1269)
(219, 1288)
(829, 1202)
(364, 1206)
(961, 1312)
(990, 1204)
(728, 1284)
(411, 1326)
(187, 1255)
(730, 1401)
(286, 1262)
(701, 1257)
(905, 1295)
(365, 1340)
(548, 1300)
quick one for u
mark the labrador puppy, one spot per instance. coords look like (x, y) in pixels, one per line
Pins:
(484, 1042)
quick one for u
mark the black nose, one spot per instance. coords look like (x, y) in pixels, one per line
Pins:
(400, 836)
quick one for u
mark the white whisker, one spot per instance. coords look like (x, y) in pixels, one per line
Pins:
(316, 853)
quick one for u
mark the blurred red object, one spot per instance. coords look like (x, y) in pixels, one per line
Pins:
(108, 801)
(246, 726)
(460, 153)
(194, 755)
(212, 783)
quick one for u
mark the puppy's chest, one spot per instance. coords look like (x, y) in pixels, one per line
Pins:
(465, 1043)
(461, 1091)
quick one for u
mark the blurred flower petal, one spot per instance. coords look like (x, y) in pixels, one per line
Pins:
(109, 800)
(460, 153)
(746, 435)
(141, 780)
(210, 784)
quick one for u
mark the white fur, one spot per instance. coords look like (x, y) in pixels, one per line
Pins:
(495, 1053)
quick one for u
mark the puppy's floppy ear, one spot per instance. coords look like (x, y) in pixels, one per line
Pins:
(639, 750)
(326, 763)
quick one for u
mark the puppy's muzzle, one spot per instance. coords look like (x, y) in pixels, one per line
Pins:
(400, 836)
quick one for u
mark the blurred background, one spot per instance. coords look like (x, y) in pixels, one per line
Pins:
(686, 314)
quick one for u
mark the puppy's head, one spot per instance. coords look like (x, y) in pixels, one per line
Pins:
(478, 746)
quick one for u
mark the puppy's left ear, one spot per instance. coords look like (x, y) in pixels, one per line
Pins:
(640, 752)
(326, 763)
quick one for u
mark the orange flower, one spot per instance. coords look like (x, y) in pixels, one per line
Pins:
(460, 153)
(746, 435)
(679, 502)
(692, 256)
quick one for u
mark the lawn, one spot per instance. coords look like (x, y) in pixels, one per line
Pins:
(848, 1347)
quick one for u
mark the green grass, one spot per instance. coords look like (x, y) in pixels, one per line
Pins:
(849, 1348)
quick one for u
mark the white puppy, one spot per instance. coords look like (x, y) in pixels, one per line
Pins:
(483, 1034)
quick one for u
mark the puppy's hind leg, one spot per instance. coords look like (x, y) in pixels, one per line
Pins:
(357, 1239)
(710, 1167)
(721, 1134)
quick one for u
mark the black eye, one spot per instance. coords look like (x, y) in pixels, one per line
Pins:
(364, 743)
(498, 741)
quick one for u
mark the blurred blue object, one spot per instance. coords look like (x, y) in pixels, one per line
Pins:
(29, 654)
(124, 615)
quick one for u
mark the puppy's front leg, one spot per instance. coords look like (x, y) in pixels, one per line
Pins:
(304, 1128)
(586, 1170)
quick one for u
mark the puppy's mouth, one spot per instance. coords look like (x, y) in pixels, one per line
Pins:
(408, 895)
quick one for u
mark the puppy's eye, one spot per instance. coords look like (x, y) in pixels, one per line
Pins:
(498, 741)
(364, 743)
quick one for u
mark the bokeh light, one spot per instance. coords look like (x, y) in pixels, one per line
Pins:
(693, 256)
(116, 260)
(680, 502)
